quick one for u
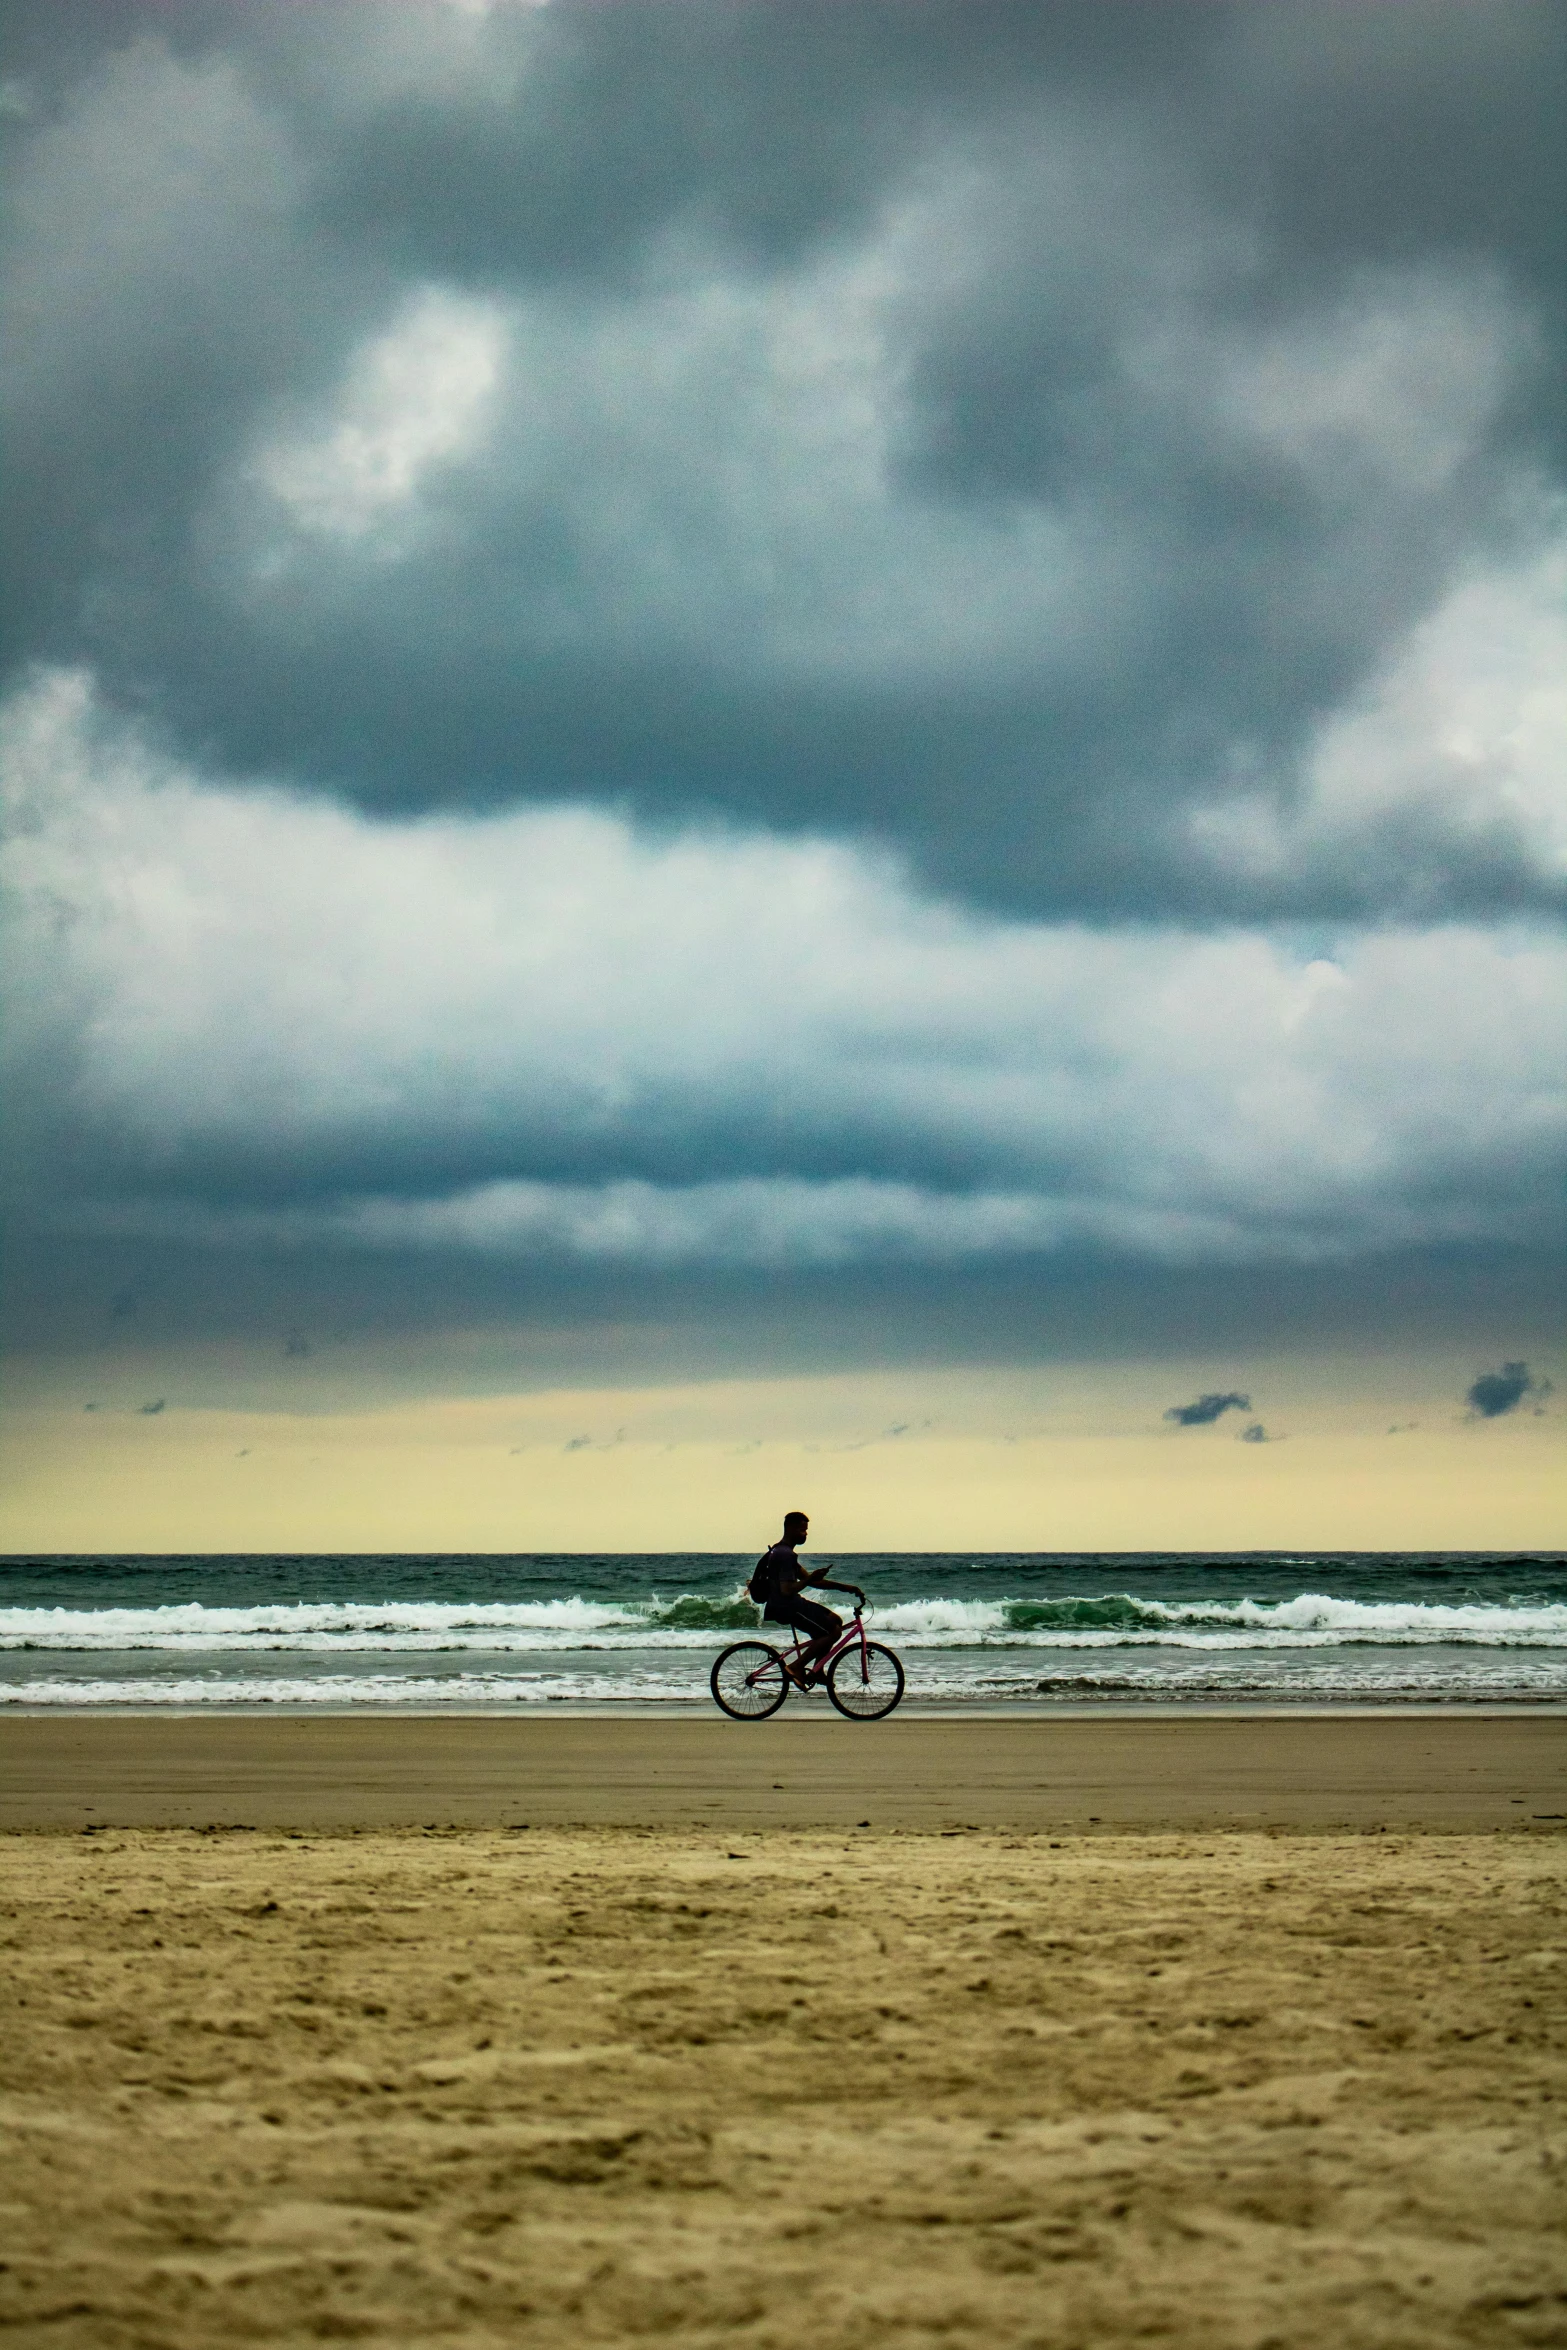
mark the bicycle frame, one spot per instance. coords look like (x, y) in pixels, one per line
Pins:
(856, 1632)
(844, 1641)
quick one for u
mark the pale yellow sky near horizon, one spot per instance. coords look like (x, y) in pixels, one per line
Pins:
(1363, 1454)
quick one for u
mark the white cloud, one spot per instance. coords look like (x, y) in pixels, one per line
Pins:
(417, 397)
(1459, 744)
(541, 1031)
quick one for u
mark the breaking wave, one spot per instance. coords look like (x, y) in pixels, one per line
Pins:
(513, 1632)
(1113, 1619)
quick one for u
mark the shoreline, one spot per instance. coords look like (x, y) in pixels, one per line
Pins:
(1076, 1709)
(1036, 1772)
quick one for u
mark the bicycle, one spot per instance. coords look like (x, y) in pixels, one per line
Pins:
(864, 1679)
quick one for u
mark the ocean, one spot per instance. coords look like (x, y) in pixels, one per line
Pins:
(995, 1630)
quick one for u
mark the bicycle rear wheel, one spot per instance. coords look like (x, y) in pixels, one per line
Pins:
(867, 1685)
(748, 1681)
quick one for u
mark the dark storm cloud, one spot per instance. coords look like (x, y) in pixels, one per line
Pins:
(420, 1324)
(1207, 349)
(553, 550)
(1496, 1393)
(1207, 1409)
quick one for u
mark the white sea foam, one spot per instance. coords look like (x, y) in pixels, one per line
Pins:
(353, 1689)
(1214, 1679)
(1107, 1620)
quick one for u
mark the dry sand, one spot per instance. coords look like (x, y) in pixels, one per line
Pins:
(862, 2087)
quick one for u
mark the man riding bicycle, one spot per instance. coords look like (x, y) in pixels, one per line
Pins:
(777, 1583)
(751, 1679)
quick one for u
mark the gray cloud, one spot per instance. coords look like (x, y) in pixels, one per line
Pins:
(431, 1321)
(1014, 434)
(710, 654)
(254, 1020)
(1256, 1434)
(1207, 1409)
(1496, 1393)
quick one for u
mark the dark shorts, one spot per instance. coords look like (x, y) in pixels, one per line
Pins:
(804, 1615)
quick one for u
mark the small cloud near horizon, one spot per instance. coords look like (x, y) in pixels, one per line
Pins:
(1257, 1434)
(150, 1411)
(1207, 1409)
(1495, 1393)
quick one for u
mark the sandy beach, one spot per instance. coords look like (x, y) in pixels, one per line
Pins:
(1073, 2083)
(1160, 1770)
(553, 2087)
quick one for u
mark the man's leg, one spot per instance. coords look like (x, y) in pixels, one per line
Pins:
(792, 1620)
(824, 1628)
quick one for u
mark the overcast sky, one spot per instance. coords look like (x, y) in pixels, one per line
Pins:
(704, 691)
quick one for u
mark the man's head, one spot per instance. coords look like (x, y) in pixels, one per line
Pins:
(796, 1527)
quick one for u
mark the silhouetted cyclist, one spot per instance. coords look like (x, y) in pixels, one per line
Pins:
(776, 1585)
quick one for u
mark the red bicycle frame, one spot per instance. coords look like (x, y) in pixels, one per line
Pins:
(855, 1632)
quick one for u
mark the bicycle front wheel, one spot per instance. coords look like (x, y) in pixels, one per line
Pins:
(865, 1684)
(748, 1681)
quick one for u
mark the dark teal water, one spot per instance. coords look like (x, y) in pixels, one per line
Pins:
(998, 1628)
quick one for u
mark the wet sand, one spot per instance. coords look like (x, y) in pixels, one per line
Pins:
(865, 2086)
(803, 1770)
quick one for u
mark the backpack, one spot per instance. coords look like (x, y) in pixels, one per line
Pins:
(764, 1580)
